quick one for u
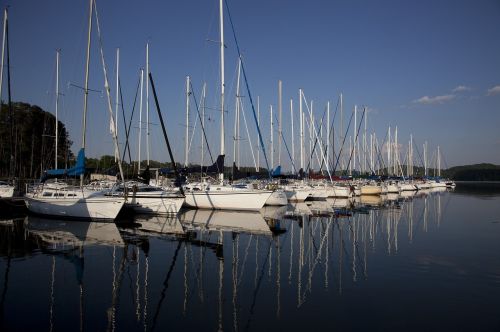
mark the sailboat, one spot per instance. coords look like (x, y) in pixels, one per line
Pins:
(142, 197)
(62, 200)
(209, 195)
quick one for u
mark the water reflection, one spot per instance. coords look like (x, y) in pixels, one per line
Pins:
(210, 270)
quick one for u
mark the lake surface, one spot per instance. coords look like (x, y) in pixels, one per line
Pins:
(424, 262)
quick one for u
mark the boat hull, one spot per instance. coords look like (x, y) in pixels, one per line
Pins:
(277, 198)
(371, 190)
(95, 207)
(227, 200)
(147, 204)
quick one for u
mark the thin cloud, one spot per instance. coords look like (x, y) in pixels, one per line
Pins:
(494, 90)
(461, 88)
(434, 100)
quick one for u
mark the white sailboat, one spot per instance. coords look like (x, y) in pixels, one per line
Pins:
(207, 195)
(63, 200)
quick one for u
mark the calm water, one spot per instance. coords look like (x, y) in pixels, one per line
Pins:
(424, 262)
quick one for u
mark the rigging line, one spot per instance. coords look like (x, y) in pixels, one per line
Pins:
(242, 110)
(165, 134)
(201, 122)
(125, 122)
(356, 138)
(332, 135)
(248, 89)
(419, 155)
(343, 141)
(311, 128)
(286, 146)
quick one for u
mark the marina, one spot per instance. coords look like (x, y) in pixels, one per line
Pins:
(395, 261)
(227, 166)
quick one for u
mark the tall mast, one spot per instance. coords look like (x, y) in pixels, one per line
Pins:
(438, 163)
(258, 142)
(328, 132)
(186, 151)
(117, 92)
(222, 83)
(280, 111)
(147, 104)
(271, 141)
(57, 105)
(301, 121)
(341, 131)
(425, 158)
(293, 137)
(355, 128)
(389, 151)
(237, 118)
(86, 87)
(395, 152)
(365, 141)
(140, 124)
(203, 96)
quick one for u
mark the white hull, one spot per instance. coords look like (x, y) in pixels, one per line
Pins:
(319, 193)
(371, 190)
(87, 205)
(160, 204)
(297, 195)
(393, 188)
(277, 198)
(245, 200)
(408, 187)
(338, 191)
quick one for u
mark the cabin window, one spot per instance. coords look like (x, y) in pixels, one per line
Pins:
(71, 195)
(47, 194)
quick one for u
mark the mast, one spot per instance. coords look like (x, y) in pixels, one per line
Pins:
(395, 152)
(258, 142)
(355, 138)
(425, 158)
(186, 151)
(203, 96)
(117, 93)
(86, 87)
(365, 141)
(341, 131)
(389, 150)
(280, 111)
(327, 132)
(438, 163)
(293, 137)
(57, 105)
(222, 84)
(140, 123)
(301, 120)
(147, 104)
(271, 141)
(236, 153)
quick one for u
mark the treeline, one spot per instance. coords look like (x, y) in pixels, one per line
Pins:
(27, 141)
(477, 172)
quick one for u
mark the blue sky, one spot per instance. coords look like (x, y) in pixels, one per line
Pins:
(432, 68)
